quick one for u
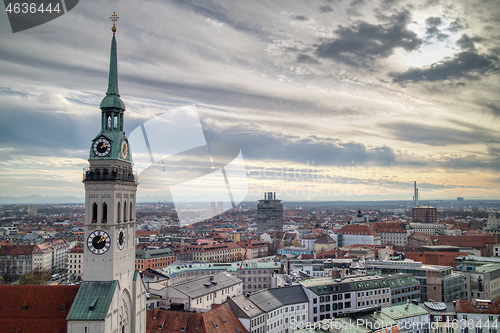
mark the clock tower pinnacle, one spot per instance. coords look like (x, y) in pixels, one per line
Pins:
(110, 200)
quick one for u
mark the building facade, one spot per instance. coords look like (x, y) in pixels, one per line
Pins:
(153, 258)
(424, 214)
(269, 213)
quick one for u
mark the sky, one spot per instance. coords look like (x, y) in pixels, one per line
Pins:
(327, 100)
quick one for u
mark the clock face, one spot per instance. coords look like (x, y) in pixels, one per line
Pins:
(124, 149)
(98, 242)
(102, 147)
(120, 239)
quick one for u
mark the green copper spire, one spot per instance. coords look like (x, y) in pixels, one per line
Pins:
(112, 99)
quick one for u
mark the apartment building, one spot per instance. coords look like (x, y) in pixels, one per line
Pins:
(481, 315)
(219, 252)
(42, 256)
(255, 275)
(394, 232)
(200, 294)
(153, 258)
(283, 308)
(482, 278)
(357, 234)
(437, 283)
(75, 262)
(331, 297)
(404, 288)
(15, 260)
(60, 249)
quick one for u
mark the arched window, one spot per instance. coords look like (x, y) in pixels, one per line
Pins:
(109, 122)
(131, 212)
(94, 212)
(104, 213)
(118, 213)
(115, 122)
(125, 211)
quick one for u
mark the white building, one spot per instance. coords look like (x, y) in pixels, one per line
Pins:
(477, 314)
(200, 294)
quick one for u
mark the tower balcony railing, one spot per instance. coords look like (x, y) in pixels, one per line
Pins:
(123, 174)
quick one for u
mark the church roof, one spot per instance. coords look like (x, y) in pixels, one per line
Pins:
(325, 239)
(112, 99)
(93, 300)
(29, 308)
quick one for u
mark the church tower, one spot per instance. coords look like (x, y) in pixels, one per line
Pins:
(112, 296)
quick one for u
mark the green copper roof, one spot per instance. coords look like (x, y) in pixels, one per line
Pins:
(112, 99)
(92, 300)
(404, 311)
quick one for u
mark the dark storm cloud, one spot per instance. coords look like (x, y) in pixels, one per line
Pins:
(262, 146)
(325, 9)
(299, 17)
(468, 162)
(363, 43)
(466, 64)
(45, 133)
(305, 59)
(457, 25)
(218, 12)
(353, 9)
(432, 29)
(466, 42)
(439, 136)
(494, 109)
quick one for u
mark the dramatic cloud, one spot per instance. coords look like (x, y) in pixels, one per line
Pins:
(325, 9)
(432, 30)
(467, 64)
(363, 44)
(466, 42)
(305, 59)
(439, 136)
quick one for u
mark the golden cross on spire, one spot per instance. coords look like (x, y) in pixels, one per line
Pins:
(114, 18)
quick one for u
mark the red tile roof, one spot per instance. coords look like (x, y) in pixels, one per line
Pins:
(358, 229)
(41, 309)
(16, 250)
(218, 320)
(478, 306)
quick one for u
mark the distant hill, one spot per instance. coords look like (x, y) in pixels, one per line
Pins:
(37, 199)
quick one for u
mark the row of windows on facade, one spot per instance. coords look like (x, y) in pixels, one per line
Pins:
(338, 297)
(256, 279)
(209, 297)
(334, 306)
(118, 211)
(255, 286)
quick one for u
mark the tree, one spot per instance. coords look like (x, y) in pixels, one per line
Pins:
(36, 276)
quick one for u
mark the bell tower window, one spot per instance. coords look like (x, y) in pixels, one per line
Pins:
(125, 211)
(109, 122)
(118, 213)
(104, 213)
(94, 212)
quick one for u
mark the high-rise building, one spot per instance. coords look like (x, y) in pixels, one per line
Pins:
(112, 297)
(424, 214)
(32, 210)
(269, 213)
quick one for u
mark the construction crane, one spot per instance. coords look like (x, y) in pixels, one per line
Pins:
(245, 255)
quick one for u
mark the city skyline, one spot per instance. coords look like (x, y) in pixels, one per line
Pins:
(329, 100)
